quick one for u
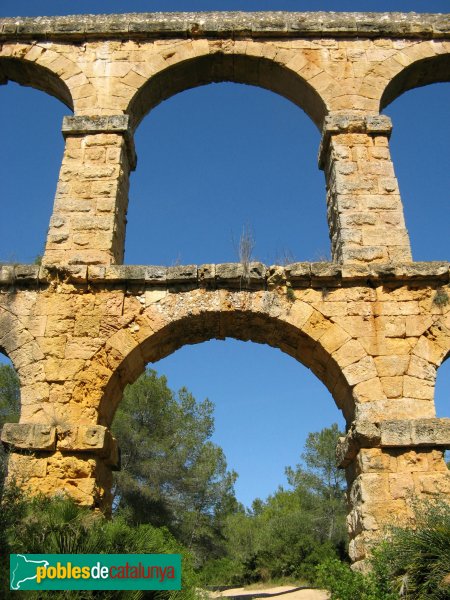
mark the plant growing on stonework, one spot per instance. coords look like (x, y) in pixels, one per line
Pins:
(290, 294)
(246, 247)
(55, 420)
(441, 298)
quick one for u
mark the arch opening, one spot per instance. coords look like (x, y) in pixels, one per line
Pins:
(9, 406)
(259, 402)
(442, 394)
(216, 159)
(442, 389)
(421, 128)
(9, 390)
(263, 400)
(30, 158)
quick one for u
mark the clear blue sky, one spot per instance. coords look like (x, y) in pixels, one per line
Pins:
(209, 161)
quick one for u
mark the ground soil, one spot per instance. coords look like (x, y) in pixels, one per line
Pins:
(285, 592)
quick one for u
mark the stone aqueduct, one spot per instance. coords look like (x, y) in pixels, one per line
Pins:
(373, 325)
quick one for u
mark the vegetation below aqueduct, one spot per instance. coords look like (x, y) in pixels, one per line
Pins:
(175, 494)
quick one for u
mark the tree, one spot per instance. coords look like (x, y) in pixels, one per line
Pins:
(9, 395)
(172, 474)
(319, 476)
(295, 529)
(9, 409)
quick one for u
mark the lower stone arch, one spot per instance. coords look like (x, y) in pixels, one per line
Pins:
(22, 349)
(262, 317)
(379, 478)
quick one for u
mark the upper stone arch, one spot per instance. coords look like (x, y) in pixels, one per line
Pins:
(423, 64)
(30, 73)
(185, 68)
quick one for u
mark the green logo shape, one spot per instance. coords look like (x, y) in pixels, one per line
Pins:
(95, 571)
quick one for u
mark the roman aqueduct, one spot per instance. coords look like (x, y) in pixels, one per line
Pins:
(373, 325)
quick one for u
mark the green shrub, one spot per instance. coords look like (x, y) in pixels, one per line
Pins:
(409, 563)
(58, 526)
(417, 561)
(222, 571)
(345, 584)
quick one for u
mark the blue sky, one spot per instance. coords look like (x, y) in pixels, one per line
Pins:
(56, 7)
(211, 160)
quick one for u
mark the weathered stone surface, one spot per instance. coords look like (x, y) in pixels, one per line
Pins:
(301, 24)
(371, 324)
(256, 271)
(298, 272)
(107, 124)
(413, 433)
(131, 273)
(182, 274)
(6, 274)
(325, 272)
(26, 272)
(226, 272)
(93, 438)
(28, 436)
(207, 273)
(155, 274)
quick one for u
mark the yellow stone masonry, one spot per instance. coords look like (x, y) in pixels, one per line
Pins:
(373, 325)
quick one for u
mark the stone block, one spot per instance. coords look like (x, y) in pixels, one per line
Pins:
(24, 468)
(81, 125)
(298, 272)
(401, 485)
(369, 390)
(6, 274)
(84, 438)
(355, 272)
(182, 274)
(207, 273)
(256, 272)
(132, 273)
(396, 433)
(26, 273)
(155, 274)
(276, 276)
(29, 436)
(374, 460)
(431, 432)
(325, 272)
(229, 272)
(360, 371)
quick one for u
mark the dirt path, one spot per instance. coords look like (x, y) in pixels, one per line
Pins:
(285, 592)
